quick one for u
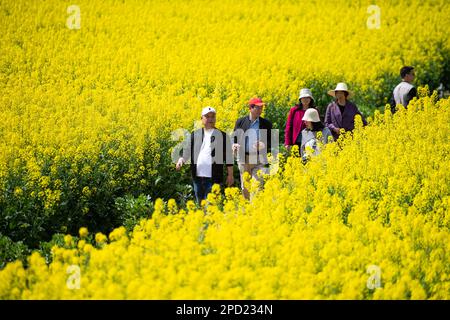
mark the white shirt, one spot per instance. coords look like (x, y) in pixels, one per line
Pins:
(204, 160)
(309, 139)
(401, 91)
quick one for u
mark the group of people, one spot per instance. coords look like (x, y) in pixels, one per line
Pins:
(209, 149)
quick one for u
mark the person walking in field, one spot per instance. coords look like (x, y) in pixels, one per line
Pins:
(209, 150)
(341, 112)
(252, 142)
(309, 134)
(294, 122)
(405, 91)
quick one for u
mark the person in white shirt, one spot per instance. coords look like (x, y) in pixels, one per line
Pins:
(209, 149)
(405, 91)
(309, 134)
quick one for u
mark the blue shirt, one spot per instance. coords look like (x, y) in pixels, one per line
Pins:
(252, 136)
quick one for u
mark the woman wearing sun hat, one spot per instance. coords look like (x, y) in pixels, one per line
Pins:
(341, 112)
(309, 134)
(294, 122)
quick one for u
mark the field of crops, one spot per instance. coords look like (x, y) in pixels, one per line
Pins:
(90, 94)
(362, 222)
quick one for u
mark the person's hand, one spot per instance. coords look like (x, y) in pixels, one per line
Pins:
(337, 130)
(230, 180)
(260, 145)
(288, 147)
(179, 164)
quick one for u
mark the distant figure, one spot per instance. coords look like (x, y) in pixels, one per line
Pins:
(341, 113)
(405, 91)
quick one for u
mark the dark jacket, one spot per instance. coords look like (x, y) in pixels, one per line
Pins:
(334, 118)
(244, 124)
(219, 139)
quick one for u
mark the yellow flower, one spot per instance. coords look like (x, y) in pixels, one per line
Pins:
(83, 232)
(18, 192)
(100, 238)
(94, 126)
(68, 240)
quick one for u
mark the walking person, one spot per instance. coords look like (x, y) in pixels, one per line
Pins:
(252, 142)
(341, 112)
(405, 91)
(309, 134)
(294, 122)
(209, 150)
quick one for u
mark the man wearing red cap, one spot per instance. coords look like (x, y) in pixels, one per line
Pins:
(252, 142)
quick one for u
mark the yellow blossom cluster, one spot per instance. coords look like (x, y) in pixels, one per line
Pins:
(368, 218)
(90, 94)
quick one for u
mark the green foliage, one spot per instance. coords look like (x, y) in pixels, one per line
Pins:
(11, 251)
(131, 210)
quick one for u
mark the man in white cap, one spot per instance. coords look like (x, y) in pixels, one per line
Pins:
(341, 112)
(209, 149)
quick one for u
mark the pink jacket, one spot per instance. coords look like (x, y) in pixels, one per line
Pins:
(294, 125)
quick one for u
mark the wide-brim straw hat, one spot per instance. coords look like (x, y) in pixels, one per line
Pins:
(341, 86)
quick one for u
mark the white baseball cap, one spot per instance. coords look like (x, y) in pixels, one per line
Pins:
(207, 110)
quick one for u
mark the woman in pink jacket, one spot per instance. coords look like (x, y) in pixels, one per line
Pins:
(294, 122)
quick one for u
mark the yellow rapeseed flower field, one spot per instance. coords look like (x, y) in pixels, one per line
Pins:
(91, 92)
(367, 219)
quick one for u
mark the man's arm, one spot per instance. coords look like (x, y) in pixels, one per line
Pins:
(269, 136)
(411, 95)
(393, 104)
(187, 146)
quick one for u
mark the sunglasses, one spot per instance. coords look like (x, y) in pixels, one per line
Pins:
(256, 107)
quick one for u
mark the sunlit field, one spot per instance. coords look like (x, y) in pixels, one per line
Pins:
(91, 93)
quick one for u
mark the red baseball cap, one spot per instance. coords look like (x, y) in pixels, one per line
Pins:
(256, 102)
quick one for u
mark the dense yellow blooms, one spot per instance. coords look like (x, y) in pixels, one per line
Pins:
(368, 218)
(135, 71)
(87, 115)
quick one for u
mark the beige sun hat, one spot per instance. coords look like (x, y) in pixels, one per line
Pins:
(341, 86)
(312, 115)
